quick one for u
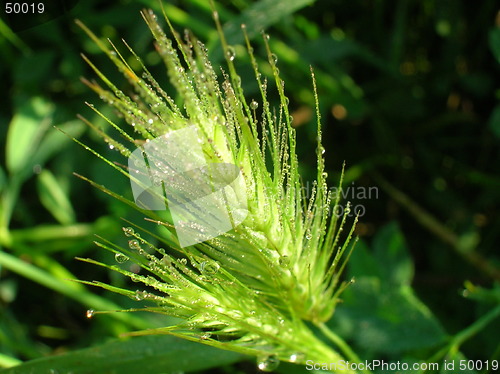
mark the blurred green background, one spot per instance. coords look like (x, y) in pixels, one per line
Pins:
(410, 101)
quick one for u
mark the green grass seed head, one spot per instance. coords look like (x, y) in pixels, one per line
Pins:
(252, 288)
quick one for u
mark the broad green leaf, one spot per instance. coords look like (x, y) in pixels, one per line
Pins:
(390, 260)
(7, 361)
(25, 131)
(380, 312)
(383, 319)
(362, 263)
(55, 140)
(260, 15)
(390, 251)
(54, 198)
(146, 354)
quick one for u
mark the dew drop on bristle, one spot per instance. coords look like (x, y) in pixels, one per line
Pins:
(128, 231)
(209, 268)
(308, 234)
(134, 244)
(230, 53)
(140, 295)
(121, 258)
(284, 261)
(206, 335)
(297, 357)
(254, 105)
(90, 313)
(268, 363)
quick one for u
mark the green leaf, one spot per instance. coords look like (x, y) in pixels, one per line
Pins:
(390, 261)
(380, 311)
(55, 140)
(147, 354)
(25, 131)
(260, 15)
(383, 319)
(54, 198)
(362, 263)
(392, 255)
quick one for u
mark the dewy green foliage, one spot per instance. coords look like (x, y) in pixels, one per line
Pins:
(252, 289)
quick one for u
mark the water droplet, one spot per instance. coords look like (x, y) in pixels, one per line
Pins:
(152, 15)
(128, 231)
(274, 58)
(111, 146)
(121, 258)
(308, 234)
(90, 313)
(140, 295)
(254, 105)
(268, 362)
(353, 280)
(183, 261)
(150, 121)
(230, 53)
(284, 261)
(209, 268)
(297, 357)
(134, 244)
(205, 335)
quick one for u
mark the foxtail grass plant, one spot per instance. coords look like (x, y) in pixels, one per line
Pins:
(266, 286)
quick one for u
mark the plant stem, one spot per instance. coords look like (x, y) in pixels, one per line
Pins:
(456, 341)
(474, 328)
(341, 344)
